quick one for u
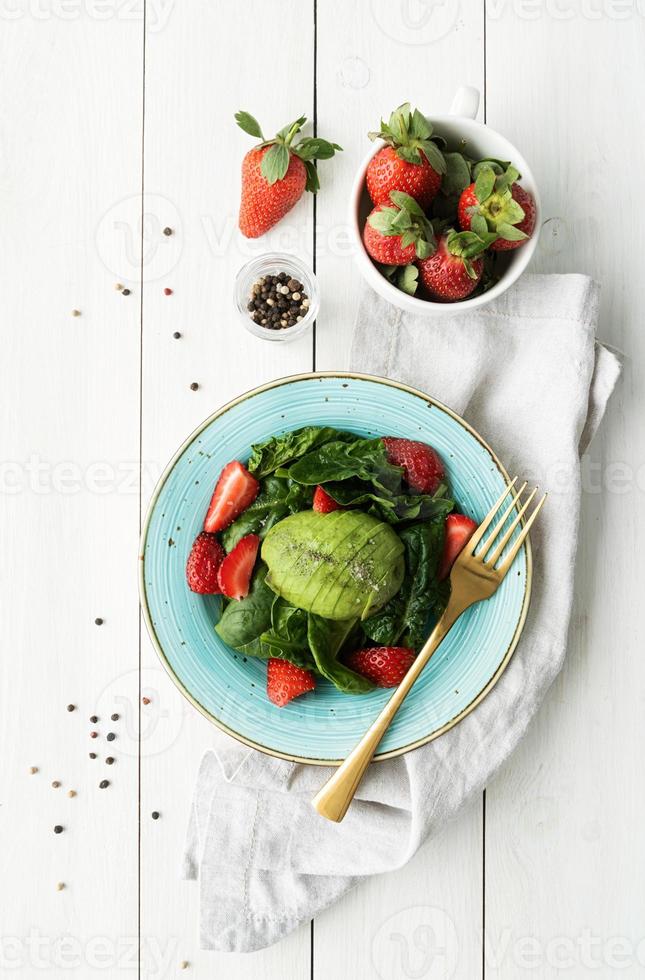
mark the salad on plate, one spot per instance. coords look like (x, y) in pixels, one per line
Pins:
(332, 553)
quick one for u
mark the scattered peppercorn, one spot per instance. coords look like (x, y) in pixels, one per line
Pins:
(33, 770)
(71, 707)
(71, 793)
(94, 734)
(111, 736)
(93, 719)
(109, 761)
(58, 829)
(146, 700)
(55, 784)
(167, 231)
(98, 621)
(155, 814)
(114, 717)
(185, 964)
(167, 291)
(104, 784)
(119, 286)
(76, 312)
(92, 755)
(194, 386)
(176, 335)
(277, 302)
(60, 886)
(125, 292)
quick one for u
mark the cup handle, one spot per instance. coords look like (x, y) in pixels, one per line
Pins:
(465, 102)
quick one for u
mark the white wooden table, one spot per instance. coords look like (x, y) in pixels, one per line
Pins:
(113, 126)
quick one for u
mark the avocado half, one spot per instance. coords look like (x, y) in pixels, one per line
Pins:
(342, 565)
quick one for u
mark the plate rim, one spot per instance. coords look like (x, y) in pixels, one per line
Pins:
(143, 598)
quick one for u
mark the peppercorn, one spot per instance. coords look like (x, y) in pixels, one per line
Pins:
(146, 700)
(155, 814)
(92, 755)
(58, 829)
(76, 312)
(167, 291)
(71, 793)
(176, 335)
(114, 717)
(94, 734)
(109, 761)
(60, 886)
(93, 719)
(55, 784)
(194, 386)
(71, 707)
(125, 292)
(33, 770)
(167, 232)
(111, 736)
(98, 621)
(104, 784)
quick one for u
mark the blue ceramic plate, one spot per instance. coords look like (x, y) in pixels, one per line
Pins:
(323, 726)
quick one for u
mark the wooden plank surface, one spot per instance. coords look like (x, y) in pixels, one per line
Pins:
(70, 138)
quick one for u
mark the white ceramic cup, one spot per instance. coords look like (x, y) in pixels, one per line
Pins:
(480, 142)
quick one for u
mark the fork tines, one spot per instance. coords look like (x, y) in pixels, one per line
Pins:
(490, 560)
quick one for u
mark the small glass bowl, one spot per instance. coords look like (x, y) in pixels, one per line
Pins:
(270, 265)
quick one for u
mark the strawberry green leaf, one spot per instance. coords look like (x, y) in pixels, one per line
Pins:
(403, 200)
(507, 179)
(382, 220)
(420, 128)
(478, 224)
(510, 233)
(275, 163)
(410, 154)
(314, 148)
(470, 269)
(434, 156)
(513, 212)
(499, 166)
(289, 131)
(408, 238)
(312, 184)
(425, 249)
(389, 270)
(407, 279)
(484, 184)
(402, 220)
(250, 125)
(457, 175)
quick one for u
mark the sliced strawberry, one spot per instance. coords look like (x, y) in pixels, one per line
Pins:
(385, 666)
(323, 503)
(236, 489)
(423, 469)
(459, 531)
(236, 569)
(203, 564)
(285, 681)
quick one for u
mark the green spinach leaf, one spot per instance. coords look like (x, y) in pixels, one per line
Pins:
(363, 458)
(406, 616)
(390, 506)
(326, 639)
(243, 622)
(278, 450)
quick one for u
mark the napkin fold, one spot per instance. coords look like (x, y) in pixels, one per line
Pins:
(527, 373)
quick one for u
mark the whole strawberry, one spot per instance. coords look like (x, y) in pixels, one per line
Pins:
(496, 203)
(384, 666)
(422, 466)
(455, 269)
(410, 162)
(276, 173)
(203, 564)
(398, 233)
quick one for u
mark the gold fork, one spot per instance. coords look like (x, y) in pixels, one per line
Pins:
(474, 577)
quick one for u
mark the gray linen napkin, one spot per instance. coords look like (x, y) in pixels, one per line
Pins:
(527, 373)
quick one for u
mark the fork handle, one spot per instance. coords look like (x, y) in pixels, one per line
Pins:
(338, 792)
